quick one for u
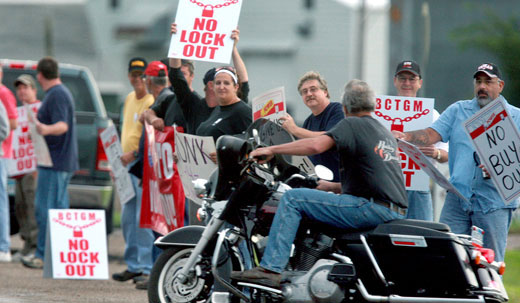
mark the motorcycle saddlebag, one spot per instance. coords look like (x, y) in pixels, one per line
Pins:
(421, 261)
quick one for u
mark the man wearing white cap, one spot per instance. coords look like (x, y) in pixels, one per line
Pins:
(485, 208)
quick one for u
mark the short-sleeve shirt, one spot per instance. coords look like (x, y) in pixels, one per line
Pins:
(58, 106)
(226, 120)
(9, 102)
(132, 128)
(370, 166)
(194, 107)
(465, 174)
(325, 121)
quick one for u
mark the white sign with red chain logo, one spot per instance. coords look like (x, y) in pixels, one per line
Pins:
(204, 30)
(76, 244)
(24, 157)
(407, 114)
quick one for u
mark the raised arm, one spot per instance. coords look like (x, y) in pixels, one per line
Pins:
(237, 60)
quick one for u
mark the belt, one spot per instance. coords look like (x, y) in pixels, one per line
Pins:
(392, 206)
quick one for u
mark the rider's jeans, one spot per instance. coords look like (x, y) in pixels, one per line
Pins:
(342, 211)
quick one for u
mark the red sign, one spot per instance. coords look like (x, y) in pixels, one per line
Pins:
(163, 198)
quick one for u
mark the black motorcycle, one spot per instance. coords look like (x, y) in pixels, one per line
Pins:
(398, 261)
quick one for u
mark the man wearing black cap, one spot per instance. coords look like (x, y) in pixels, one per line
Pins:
(485, 209)
(407, 81)
(139, 241)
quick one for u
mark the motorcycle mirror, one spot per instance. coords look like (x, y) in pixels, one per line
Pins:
(256, 136)
(323, 172)
(200, 186)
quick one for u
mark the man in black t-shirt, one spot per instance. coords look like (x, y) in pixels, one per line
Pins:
(371, 183)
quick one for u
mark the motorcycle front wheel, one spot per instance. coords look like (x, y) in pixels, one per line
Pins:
(164, 287)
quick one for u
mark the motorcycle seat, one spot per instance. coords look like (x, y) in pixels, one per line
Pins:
(420, 223)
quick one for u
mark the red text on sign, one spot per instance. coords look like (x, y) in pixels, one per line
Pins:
(398, 104)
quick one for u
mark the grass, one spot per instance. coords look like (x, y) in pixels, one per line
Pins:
(515, 226)
(512, 275)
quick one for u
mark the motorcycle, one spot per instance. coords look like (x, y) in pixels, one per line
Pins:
(398, 261)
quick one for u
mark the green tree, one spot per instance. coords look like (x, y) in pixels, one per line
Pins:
(498, 36)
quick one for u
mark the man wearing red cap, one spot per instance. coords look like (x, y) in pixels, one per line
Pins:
(483, 206)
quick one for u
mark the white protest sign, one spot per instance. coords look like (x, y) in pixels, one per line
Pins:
(76, 244)
(428, 167)
(113, 150)
(497, 142)
(270, 105)
(193, 161)
(24, 158)
(204, 30)
(406, 114)
(41, 150)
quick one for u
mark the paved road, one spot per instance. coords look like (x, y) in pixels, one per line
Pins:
(19, 284)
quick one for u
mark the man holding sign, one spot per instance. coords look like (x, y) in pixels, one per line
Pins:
(325, 115)
(486, 209)
(407, 81)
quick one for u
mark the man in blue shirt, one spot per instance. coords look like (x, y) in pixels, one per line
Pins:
(56, 123)
(485, 209)
(325, 115)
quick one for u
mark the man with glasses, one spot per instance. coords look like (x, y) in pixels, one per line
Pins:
(139, 241)
(485, 208)
(325, 115)
(407, 81)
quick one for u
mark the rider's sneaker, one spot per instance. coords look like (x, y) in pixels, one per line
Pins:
(258, 275)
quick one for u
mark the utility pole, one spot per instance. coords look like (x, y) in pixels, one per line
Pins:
(361, 40)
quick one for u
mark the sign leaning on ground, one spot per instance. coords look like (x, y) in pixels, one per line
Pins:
(76, 245)
(204, 30)
(406, 114)
(497, 142)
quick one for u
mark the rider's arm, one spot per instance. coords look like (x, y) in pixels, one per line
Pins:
(303, 147)
(425, 136)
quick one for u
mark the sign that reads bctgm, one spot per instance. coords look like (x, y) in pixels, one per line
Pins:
(204, 30)
(406, 114)
(76, 245)
(497, 142)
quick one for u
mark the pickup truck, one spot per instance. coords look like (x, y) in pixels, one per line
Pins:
(91, 186)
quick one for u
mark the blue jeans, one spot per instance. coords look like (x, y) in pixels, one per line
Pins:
(341, 211)
(51, 193)
(5, 234)
(139, 241)
(494, 223)
(420, 205)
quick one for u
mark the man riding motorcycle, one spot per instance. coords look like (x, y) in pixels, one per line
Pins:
(372, 185)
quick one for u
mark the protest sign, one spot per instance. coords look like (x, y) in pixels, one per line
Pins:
(43, 157)
(270, 105)
(497, 142)
(162, 207)
(204, 30)
(406, 114)
(428, 167)
(113, 150)
(24, 158)
(76, 244)
(193, 161)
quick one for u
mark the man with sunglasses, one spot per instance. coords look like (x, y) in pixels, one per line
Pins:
(407, 81)
(485, 208)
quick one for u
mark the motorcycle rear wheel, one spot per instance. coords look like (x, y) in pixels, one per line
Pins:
(165, 288)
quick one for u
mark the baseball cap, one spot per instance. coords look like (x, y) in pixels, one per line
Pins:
(25, 79)
(408, 66)
(489, 69)
(136, 64)
(156, 69)
(209, 76)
